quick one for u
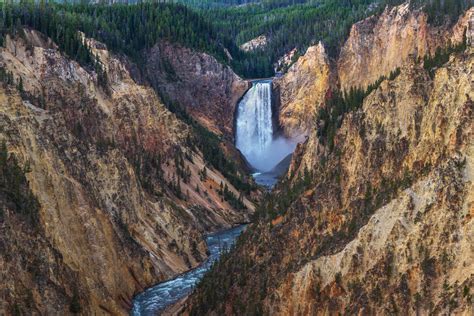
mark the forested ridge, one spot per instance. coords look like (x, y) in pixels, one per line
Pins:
(299, 24)
(286, 27)
(212, 26)
(124, 28)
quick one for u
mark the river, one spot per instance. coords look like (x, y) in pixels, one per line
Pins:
(157, 298)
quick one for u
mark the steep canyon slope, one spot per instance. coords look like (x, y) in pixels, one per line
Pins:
(302, 90)
(207, 89)
(375, 47)
(379, 44)
(124, 193)
(381, 223)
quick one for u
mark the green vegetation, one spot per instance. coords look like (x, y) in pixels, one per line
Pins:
(443, 11)
(229, 196)
(75, 305)
(15, 193)
(287, 25)
(55, 22)
(211, 26)
(441, 56)
(131, 29)
(128, 29)
(278, 202)
(209, 144)
(216, 284)
(339, 104)
(299, 24)
(61, 26)
(208, 4)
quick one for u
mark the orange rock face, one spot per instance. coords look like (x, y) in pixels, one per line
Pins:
(378, 45)
(302, 91)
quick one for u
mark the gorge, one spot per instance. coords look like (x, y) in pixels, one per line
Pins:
(143, 172)
(254, 133)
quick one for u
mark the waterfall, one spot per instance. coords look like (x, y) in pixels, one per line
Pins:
(254, 128)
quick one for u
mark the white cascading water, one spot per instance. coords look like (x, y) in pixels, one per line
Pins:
(254, 129)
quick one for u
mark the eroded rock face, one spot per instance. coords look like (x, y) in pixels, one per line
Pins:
(302, 91)
(104, 166)
(376, 46)
(386, 224)
(253, 44)
(379, 44)
(412, 255)
(285, 61)
(208, 90)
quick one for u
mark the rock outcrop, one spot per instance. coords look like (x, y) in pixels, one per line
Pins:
(380, 44)
(285, 61)
(208, 90)
(376, 47)
(255, 43)
(302, 91)
(124, 199)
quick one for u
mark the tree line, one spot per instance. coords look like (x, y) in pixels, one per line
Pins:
(212, 26)
(15, 193)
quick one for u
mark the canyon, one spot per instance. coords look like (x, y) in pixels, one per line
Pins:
(376, 46)
(128, 176)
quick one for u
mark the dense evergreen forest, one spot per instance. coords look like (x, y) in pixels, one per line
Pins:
(287, 26)
(125, 28)
(211, 26)
(299, 24)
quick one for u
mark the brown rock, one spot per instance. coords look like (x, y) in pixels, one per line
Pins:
(208, 90)
(101, 162)
(302, 91)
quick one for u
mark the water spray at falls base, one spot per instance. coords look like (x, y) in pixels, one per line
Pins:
(254, 129)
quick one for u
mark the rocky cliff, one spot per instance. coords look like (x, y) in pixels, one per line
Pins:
(413, 255)
(208, 90)
(375, 47)
(302, 91)
(124, 194)
(379, 44)
(382, 223)
(254, 44)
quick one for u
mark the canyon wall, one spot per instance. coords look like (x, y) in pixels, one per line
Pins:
(379, 44)
(124, 195)
(375, 47)
(302, 91)
(208, 90)
(413, 254)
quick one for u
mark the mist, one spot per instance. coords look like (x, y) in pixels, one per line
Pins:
(264, 160)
